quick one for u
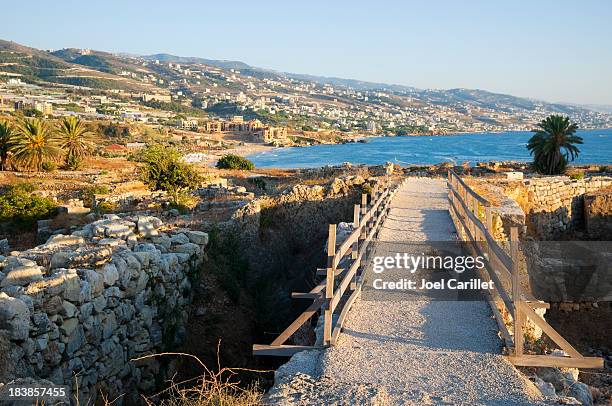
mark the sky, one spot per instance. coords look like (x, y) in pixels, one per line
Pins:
(559, 51)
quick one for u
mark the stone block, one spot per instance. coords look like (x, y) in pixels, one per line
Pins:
(22, 275)
(197, 237)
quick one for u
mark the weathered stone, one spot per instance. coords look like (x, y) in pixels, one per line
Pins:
(52, 305)
(109, 324)
(183, 257)
(197, 237)
(144, 257)
(115, 230)
(99, 303)
(179, 239)
(60, 240)
(111, 242)
(85, 292)
(582, 393)
(75, 340)
(14, 317)
(22, 275)
(52, 354)
(41, 342)
(68, 326)
(42, 323)
(99, 308)
(91, 257)
(68, 309)
(72, 286)
(109, 273)
(95, 280)
(188, 248)
(147, 226)
(60, 259)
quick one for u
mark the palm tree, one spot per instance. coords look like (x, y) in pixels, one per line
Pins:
(6, 135)
(75, 139)
(34, 143)
(554, 133)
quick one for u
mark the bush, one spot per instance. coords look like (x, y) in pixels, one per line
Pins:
(22, 208)
(577, 175)
(107, 207)
(231, 161)
(73, 163)
(164, 170)
(88, 193)
(49, 166)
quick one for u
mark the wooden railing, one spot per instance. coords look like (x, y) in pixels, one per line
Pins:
(343, 275)
(473, 218)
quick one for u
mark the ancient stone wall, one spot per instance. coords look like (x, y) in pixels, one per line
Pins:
(554, 205)
(598, 214)
(78, 309)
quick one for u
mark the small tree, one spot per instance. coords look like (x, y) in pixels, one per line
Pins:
(164, 170)
(554, 133)
(20, 206)
(75, 139)
(231, 161)
(34, 143)
(6, 134)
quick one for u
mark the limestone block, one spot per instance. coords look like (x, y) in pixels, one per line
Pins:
(14, 317)
(22, 275)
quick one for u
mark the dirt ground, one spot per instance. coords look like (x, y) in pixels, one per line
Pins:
(589, 331)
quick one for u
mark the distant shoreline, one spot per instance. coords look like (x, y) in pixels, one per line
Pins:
(428, 150)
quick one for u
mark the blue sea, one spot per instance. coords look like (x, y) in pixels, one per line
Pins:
(506, 146)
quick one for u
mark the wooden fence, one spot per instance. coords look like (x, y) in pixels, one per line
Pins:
(343, 275)
(473, 218)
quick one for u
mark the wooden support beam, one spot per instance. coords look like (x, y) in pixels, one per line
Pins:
(297, 323)
(281, 350)
(344, 313)
(549, 331)
(329, 288)
(555, 362)
(305, 295)
(505, 334)
(516, 294)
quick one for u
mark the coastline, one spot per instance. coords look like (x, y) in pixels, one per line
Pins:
(457, 148)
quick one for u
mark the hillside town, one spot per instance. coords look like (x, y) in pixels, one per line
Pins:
(204, 105)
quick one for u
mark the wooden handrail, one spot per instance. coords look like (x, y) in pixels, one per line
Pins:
(464, 207)
(329, 293)
(453, 176)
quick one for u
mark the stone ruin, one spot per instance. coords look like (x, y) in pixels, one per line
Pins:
(78, 309)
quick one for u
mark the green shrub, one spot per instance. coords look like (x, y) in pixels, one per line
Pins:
(577, 175)
(49, 166)
(88, 193)
(20, 207)
(164, 170)
(107, 207)
(73, 163)
(231, 161)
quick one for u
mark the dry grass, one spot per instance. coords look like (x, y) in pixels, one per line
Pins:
(210, 389)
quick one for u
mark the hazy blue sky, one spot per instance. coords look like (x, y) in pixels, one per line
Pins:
(551, 50)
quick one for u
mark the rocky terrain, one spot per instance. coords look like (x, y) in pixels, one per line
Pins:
(80, 308)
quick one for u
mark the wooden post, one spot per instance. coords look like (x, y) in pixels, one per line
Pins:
(516, 293)
(364, 204)
(355, 253)
(329, 285)
(489, 220)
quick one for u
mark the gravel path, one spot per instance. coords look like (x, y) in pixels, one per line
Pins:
(410, 352)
